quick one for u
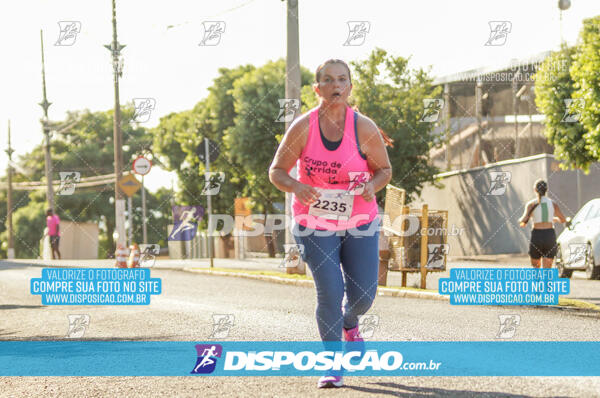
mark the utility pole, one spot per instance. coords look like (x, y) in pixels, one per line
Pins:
(10, 252)
(478, 112)
(515, 104)
(46, 130)
(292, 91)
(447, 126)
(208, 201)
(115, 49)
(144, 229)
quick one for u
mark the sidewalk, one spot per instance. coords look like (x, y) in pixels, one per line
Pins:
(274, 265)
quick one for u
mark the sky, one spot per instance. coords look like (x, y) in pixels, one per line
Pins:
(163, 59)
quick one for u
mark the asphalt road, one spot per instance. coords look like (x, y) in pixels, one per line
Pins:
(267, 311)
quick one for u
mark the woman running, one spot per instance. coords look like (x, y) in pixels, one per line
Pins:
(543, 238)
(342, 162)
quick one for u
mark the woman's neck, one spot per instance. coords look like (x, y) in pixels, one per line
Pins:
(333, 112)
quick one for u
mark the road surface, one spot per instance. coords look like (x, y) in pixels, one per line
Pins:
(268, 311)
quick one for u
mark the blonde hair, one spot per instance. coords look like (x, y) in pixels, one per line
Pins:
(329, 62)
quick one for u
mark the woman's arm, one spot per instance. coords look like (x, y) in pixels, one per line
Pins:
(287, 154)
(559, 215)
(524, 219)
(372, 145)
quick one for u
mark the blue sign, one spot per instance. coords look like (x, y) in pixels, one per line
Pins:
(299, 358)
(185, 222)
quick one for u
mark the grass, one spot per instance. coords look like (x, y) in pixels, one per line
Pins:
(567, 302)
(298, 276)
(253, 272)
(562, 301)
(416, 289)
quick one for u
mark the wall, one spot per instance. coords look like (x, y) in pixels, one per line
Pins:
(77, 241)
(489, 222)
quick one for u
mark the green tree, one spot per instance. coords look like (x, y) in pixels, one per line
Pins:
(391, 94)
(19, 199)
(179, 138)
(86, 147)
(255, 135)
(553, 86)
(256, 132)
(585, 72)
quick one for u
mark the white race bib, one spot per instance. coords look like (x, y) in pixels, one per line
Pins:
(333, 204)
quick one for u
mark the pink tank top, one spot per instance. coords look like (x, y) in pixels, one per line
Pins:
(337, 174)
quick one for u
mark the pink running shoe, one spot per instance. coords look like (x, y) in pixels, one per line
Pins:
(352, 334)
(330, 382)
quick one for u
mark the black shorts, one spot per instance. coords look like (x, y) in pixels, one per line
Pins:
(542, 243)
(54, 240)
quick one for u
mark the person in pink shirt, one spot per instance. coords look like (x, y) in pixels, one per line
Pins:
(342, 162)
(52, 222)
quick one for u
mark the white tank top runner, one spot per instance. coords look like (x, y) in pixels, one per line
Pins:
(544, 212)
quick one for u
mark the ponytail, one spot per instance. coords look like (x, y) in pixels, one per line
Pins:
(540, 187)
(386, 138)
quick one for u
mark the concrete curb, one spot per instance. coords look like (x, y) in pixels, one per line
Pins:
(409, 293)
(491, 259)
(381, 291)
(267, 278)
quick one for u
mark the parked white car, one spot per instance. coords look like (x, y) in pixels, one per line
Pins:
(579, 243)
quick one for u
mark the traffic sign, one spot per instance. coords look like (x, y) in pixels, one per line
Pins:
(129, 184)
(213, 151)
(141, 165)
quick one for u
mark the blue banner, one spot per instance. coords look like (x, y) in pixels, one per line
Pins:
(95, 286)
(307, 358)
(504, 286)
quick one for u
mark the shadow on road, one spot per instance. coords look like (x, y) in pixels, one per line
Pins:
(400, 390)
(7, 264)
(18, 306)
(83, 349)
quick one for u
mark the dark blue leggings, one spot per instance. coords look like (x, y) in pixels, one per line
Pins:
(355, 282)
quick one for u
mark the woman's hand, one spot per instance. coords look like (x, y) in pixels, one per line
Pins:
(368, 192)
(305, 193)
(522, 224)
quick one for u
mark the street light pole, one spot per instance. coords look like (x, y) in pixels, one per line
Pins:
(46, 130)
(292, 91)
(115, 49)
(10, 252)
(208, 202)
